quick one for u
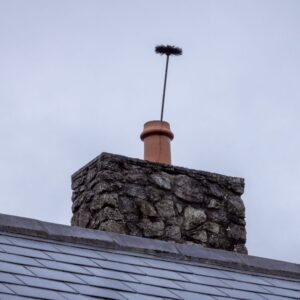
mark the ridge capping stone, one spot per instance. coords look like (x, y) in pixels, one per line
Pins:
(95, 238)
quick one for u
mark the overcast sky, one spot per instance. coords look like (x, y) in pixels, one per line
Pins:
(81, 77)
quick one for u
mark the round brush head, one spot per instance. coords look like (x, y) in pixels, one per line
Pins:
(168, 50)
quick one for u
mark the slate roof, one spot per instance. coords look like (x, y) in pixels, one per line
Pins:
(40, 260)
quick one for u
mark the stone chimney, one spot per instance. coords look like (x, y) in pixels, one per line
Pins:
(160, 201)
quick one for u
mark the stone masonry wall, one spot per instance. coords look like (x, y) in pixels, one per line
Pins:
(137, 197)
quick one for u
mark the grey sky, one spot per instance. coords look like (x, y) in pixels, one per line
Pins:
(80, 77)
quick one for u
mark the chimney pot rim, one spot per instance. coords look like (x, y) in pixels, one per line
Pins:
(157, 127)
(164, 123)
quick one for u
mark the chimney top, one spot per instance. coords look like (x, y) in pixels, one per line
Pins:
(157, 137)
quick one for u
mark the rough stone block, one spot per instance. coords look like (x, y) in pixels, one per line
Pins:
(136, 197)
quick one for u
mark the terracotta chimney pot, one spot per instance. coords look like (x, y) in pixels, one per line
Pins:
(157, 137)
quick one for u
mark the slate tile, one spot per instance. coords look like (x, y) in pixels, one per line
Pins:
(162, 273)
(77, 260)
(96, 291)
(56, 275)
(123, 272)
(283, 292)
(134, 296)
(118, 266)
(32, 244)
(246, 277)
(35, 292)
(157, 281)
(192, 296)
(51, 264)
(9, 278)
(167, 265)
(202, 289)
(241, 294)
(281, 283)
(111, 274)
(205, 280)
(273, 297)
(207, 271)
(5, 289)
(12, 297)
(18, 259)
(13, 268)
(77, 251)
(69, 296)
(45, 283)
(105, 282)
(152, 290)
(250, 287)
(132, 260)
(24, 251)
(5, 240)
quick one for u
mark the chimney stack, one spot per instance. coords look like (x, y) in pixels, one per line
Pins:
(141, 198)
(157, 137)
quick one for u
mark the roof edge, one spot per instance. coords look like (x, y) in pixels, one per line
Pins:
(96, 238)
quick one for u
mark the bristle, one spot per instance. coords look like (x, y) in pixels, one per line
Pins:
(168, 50)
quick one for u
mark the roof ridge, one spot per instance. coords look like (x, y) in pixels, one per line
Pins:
(109, 240)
